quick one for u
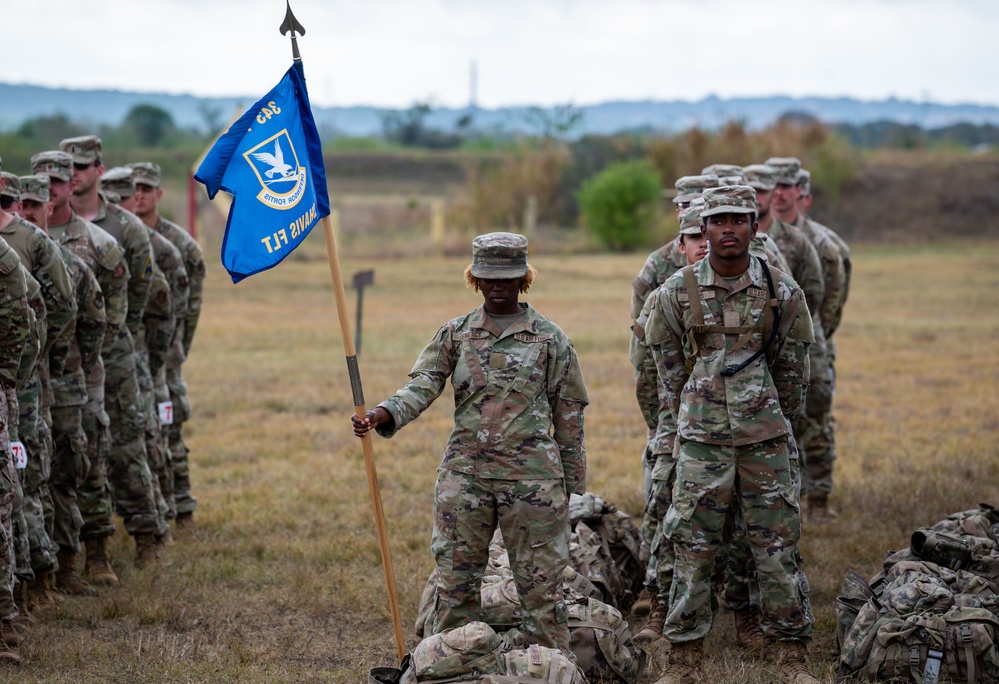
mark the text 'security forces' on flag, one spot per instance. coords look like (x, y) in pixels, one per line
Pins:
(271, 162)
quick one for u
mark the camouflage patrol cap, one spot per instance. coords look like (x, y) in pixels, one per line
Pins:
(760, 176)
(53, 163)
(786, 169)
(689, 187)
(805, 181)
(722, 170)
(690, 218)
(499, 256)
(12, 188)
(120, 180)
(85, 149)
(146, 173)
(729, 199)
(35, 187)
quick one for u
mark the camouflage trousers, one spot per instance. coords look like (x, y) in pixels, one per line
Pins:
(736, 569)
(94, 492)
(814, 432)
(184, 501)
(659, 573)
(533, 516)
(156, 448)
(650, 523)
(760, 480)
(70, 464)
(128, 471)
(8, 478)
(34, 480)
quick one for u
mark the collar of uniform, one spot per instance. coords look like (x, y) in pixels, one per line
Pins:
(102, 209)
(707, 277)
(485, 322)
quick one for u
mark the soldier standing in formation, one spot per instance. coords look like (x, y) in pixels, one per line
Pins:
(72, 295)
(173, 386)
(15, 327)
(516, 451)
(734, 388)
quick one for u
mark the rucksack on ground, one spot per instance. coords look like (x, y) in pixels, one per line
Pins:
(602, 643)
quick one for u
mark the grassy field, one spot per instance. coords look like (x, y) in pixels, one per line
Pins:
(281, 581)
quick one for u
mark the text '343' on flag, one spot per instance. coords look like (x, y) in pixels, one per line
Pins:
(271, 162)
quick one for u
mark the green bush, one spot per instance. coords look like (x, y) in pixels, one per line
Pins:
(620, 203)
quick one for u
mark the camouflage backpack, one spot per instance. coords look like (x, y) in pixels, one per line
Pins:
(537, 665)
(602, 644)
(932, 613)
(621, 538)
(978, 522)
(590, 557)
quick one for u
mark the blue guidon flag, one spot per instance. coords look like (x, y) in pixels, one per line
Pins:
(271, 162)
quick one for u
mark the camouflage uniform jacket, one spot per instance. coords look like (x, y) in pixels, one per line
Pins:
(80, 350)
(844, 253)
(659, 266)
(106, 259)
(518, 395)
(194, 265)
(15, 316)
(760, 401)
(28, 368)
(806, 269)
(161, 325)
(833, 275)
(40, 255)
(133, 236)
(664, 429)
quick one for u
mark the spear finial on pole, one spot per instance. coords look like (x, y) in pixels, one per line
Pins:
(290, 24)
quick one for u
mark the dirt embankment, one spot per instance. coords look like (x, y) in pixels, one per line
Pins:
(916, 199)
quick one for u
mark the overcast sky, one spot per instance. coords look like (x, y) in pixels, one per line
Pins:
(395, 52)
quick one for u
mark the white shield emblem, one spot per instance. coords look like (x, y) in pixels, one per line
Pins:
(282, 178)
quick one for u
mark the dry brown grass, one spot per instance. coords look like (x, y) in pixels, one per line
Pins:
(281, 582)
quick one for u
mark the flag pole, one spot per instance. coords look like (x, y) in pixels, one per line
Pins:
(291, 24)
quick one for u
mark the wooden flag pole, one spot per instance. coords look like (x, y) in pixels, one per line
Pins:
(361, 411)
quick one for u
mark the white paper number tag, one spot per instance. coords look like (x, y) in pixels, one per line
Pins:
(166, 412)
(20, 455)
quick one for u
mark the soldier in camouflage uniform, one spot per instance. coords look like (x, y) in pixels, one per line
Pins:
(153, 341)
(516, 451)
(80, 490)
(74, 355)
(819, 434)
(131, 480)
(659, 574)
(14, 332)
(41, 256)
(733, 398)
(148, 196)
(659, 265)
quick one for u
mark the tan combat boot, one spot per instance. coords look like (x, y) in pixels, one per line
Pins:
(818, 511)
(98, 565)
(39, 600)
(145, 551)
(185, 521)
(66, 578)
(684, 663)
(653, 629)
(49, 583)
(643, 604)
(794, 664)
(748, 629)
